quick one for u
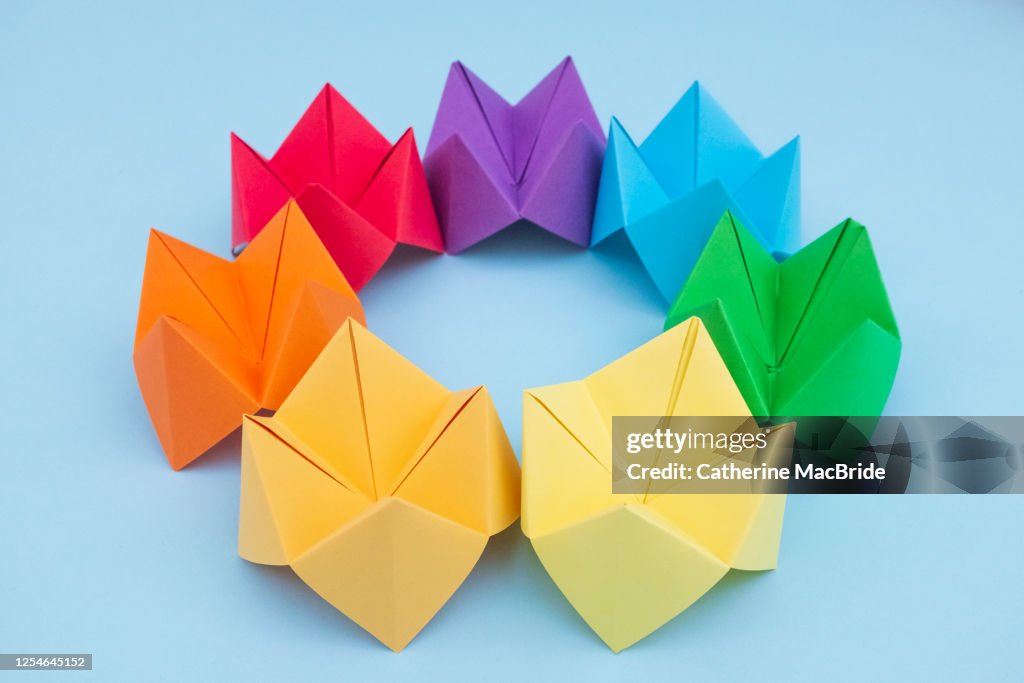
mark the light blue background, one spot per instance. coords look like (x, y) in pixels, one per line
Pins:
(112, 121)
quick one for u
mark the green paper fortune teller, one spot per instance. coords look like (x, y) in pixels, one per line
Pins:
(812, 335)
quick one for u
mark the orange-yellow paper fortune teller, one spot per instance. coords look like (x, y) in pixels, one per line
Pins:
(218, 339)
(376, 484)
(629, 563)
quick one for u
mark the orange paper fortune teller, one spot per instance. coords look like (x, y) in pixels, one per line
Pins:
(217, 339)
(378, 486)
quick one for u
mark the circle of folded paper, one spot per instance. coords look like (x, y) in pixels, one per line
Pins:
(379, 486)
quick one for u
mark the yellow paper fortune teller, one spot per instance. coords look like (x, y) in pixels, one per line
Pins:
(630, 563)
(376, 484)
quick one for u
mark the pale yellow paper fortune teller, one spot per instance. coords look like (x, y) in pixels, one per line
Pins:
(376, 484)
(630, 563)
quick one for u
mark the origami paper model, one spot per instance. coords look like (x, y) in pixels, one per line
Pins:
(814, 335)
(361, 194)
(668, 193)
(630, 563)
(217, 339)
(490, 163)
(377, 485)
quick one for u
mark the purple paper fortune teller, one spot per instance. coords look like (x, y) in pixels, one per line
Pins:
(490, 164)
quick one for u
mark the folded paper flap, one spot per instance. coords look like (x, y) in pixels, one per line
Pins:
(194, 287)
(564, 483)
(669, 253)
(545, 117)
(650, 379)
(396, 199)
(325, 411)
(734, 270)
(529, 117)
(445, 166)
(306, 501)
(274, 272)
(698, 141)
(862, 364)
(497, 114)
(742, 348)
(399, 402)
(358, 247)
(848, 289)
(194, 389)
(628, 189)
(576, 143)
(477, 114)
(257, 269)
(389, 179)
(392, 568)
(257, 192)
(771, 197)
(280, 432)
(332, 144)
(449, 413)
(627, 572)
(466, 470)
(654, 516)
(248, 164)
(226, 361)
(301, 259)
(571, 406)
(738, 529)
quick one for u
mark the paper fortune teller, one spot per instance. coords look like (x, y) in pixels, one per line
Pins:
(491, 163)
(361, 193)
(216, 339)
(813, 335)
(669, 192)
(377, 485)
(629, 563)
